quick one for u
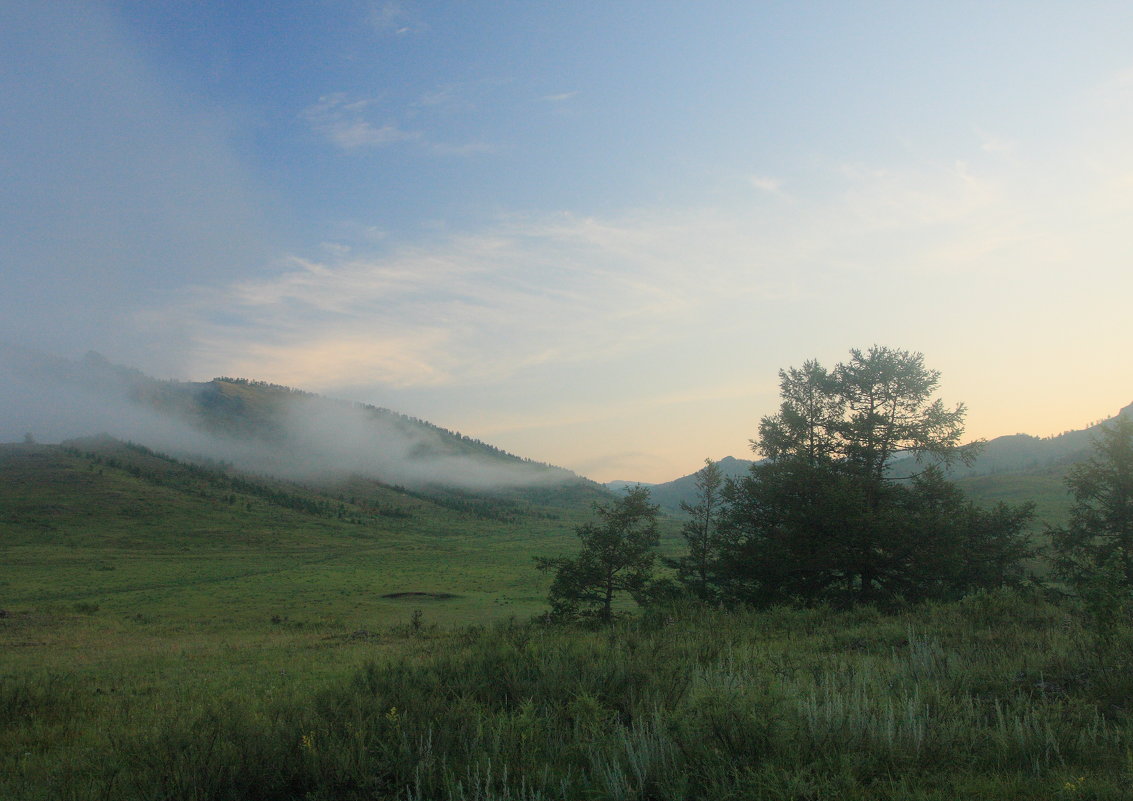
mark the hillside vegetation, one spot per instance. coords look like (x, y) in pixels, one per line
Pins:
(216, 613)
(105, 524)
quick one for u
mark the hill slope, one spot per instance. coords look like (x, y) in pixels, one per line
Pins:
(105, 524)
(266, 428)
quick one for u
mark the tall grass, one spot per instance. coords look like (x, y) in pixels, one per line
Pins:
(992, 697)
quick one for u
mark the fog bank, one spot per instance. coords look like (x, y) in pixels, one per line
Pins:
(255, 427)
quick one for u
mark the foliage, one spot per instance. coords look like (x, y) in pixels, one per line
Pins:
(864, 412)
(822, 520)
(696, 570)
(617, 556)
(168, 631)
(786, 525)
(1100, 529)
(158, 644)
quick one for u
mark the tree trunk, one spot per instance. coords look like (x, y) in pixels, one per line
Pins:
(865, 591)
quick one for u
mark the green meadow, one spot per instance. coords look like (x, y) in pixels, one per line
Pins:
(172, 633)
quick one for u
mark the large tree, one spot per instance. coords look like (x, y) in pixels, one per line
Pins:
(786, 529)
(822, 518)
(617, 556)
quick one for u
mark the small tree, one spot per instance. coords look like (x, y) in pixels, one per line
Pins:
(1100, 530)
(696, 570)
(617, 556)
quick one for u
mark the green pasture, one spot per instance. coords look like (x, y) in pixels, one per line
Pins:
(102, 566)
(165, 636)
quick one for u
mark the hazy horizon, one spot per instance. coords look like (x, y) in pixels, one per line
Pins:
(54, 399)
(589, 234)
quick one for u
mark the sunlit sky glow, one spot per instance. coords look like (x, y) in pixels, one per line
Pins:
(589, 233)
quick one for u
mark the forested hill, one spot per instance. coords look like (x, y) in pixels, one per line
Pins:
(1020, 452)
(1041, 459)
(268, 429)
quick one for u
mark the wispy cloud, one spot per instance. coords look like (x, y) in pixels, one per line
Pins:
(342, 121)
(535, 315)
(476, 307)
(560, 97)
(482, 307)
(395, 19)
(348, 124)
(766, 184)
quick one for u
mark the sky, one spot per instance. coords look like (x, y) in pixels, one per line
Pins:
(589, 233)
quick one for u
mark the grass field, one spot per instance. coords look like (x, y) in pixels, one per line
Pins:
(78, 533)
(126, 579)
(168, 635)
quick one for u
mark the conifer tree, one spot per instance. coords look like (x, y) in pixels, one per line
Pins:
(697, 569)
(1100, 529)
(617, 557)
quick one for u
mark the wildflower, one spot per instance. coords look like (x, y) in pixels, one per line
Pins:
(1073, 786)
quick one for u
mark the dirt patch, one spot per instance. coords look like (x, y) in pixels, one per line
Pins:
(425, 596)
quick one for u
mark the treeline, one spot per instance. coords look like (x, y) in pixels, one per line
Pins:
(217, 484)
(249, 382)
(821, 520)
(471, 443)
(485, 507)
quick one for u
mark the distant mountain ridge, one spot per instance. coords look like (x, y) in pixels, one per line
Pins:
(670, 494)
(1021, 452)
(1014, 453)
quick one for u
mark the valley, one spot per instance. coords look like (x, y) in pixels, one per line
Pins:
(203, 627)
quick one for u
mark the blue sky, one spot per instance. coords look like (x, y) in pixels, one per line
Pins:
(589, 233)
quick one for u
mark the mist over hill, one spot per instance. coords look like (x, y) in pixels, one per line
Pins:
(255, 426)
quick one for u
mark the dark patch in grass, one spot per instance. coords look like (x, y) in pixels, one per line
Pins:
(416, 595)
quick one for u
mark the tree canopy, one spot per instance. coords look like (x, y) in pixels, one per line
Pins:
(697, 569)
(1100, 529)
(617, 555)
(821, 519)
